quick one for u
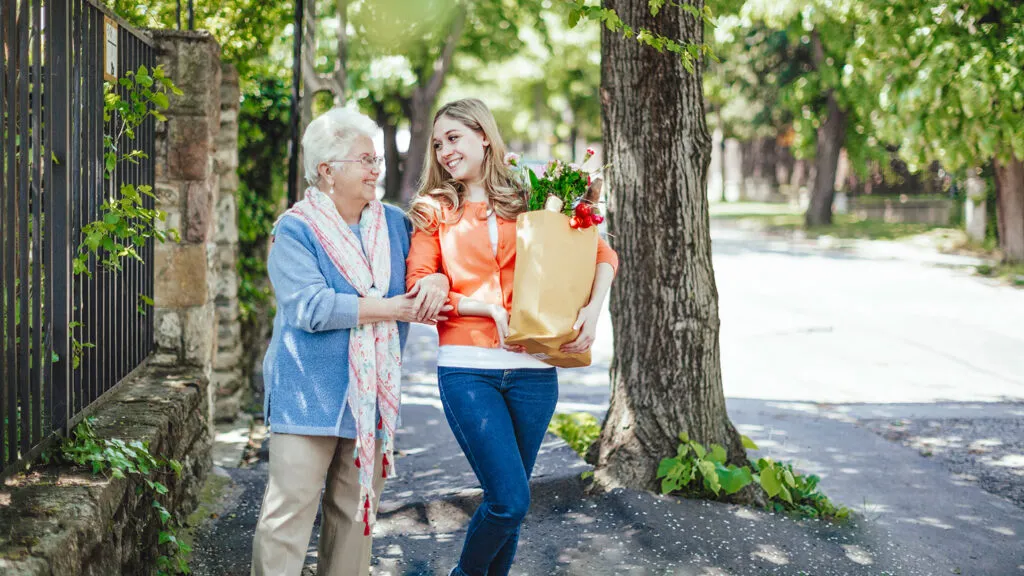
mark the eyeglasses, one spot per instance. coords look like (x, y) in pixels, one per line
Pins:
(368, 162)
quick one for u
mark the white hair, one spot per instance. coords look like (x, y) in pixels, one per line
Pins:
(330, 136)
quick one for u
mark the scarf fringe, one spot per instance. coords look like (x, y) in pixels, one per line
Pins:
(364, 509)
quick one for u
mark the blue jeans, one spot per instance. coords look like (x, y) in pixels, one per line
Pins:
(499, 418)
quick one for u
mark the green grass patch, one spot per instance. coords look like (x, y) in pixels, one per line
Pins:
(731, 210)
(849, 226)
(883, 198)
(579, 430)
(845, 226)
(1011, 273)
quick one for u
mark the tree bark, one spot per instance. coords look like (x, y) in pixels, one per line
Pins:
(574, 134)
(831, 135)
(1010, 207)
(313, 82)
(420, 107)
(340, 78)
(392, 158)
(666, 373)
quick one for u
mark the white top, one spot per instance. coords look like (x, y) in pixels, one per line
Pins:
(486, 358)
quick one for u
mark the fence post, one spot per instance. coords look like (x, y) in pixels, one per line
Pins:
(59, 127)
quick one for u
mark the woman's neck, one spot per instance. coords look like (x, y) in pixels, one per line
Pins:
(475, 192)
(350, 210)
(350, 213)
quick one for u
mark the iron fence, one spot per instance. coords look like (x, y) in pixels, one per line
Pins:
(55, 55)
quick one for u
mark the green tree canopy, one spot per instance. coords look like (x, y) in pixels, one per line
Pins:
(942, 80)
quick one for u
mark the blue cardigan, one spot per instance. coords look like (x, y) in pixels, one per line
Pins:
(305, 369)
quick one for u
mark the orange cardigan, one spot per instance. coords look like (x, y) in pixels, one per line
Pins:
(462, 251)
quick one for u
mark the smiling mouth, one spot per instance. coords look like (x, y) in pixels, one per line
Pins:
(451, 165)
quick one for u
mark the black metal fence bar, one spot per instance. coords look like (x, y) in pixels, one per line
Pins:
(23, 293)
(53, 184)
(6, 370)
(150, 203)
(58, 111)
(37, 239)
(78, 53)
(8, 20)
(90, 366)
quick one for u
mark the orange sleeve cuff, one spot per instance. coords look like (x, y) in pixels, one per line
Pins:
(424, 257)
(607, 255)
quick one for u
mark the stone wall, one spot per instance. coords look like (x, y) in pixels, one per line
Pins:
(65, 520)
(197, 155)
(229, 391)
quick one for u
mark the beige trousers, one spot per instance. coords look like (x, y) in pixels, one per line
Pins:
(299, 468)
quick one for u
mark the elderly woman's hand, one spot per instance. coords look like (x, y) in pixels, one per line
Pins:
(403, 308)
(431, 295)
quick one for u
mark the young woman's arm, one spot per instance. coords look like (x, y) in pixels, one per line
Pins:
(471, 307)
(586, 321)
(423, 269)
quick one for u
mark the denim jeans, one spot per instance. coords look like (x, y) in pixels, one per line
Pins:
(499, 418)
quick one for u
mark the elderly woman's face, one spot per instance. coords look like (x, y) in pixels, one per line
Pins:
(355, 177)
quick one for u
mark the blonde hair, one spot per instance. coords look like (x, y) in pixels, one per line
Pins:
(439, 191)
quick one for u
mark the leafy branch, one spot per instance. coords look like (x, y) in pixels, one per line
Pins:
(146, 94)
(126, 224)
(688, 52)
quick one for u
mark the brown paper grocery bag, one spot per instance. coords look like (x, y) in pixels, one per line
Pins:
(555, 267)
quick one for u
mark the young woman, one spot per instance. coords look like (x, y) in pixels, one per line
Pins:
(498, 400)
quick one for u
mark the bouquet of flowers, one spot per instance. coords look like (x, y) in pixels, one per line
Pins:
(562, 187)
(556, 260)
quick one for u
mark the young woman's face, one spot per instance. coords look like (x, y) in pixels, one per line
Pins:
(459, 149)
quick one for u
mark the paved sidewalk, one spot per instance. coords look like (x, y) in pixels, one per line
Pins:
(897, 379)
(913, 515)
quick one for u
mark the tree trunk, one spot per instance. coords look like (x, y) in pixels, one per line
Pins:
(420, 107)
(831, 135)
(341, 64)
(1010, 207)
(826, 161)
(666, 374)
(746, 168)
(418, 112)
(393, 160)
(314, 82)
(574, 134)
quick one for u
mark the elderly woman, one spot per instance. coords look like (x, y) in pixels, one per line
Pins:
(332, 371)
